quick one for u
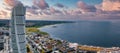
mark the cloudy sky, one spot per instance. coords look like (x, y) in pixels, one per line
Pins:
(64, 9)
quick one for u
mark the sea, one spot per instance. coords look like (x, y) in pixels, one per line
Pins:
(93, 33)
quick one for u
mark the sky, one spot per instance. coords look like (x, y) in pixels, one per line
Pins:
(64, 9)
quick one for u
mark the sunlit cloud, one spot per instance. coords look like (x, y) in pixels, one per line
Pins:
(42, 9)
(56, 12)
(86, 8)
(41, 4)
(11, 3)
(111, 5)
(3, 13)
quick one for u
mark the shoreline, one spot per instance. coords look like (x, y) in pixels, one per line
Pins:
(69, 41)
(83, 46)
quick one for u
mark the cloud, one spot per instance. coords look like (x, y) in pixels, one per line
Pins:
(32, 11)
(86, 8)
(3, 13)
(11, 3)
(109, 9)
(112, 0)
(54, 11)
(110, 12)
(66, 12)
(32, 7)
(111, 5)
(41, 4)
(76, 12)
(46, 13)
(59, 5)
(7, 8)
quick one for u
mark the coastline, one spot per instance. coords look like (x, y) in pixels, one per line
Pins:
(89, 46)
(85, 47)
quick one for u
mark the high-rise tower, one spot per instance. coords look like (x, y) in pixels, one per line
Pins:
(18, 41)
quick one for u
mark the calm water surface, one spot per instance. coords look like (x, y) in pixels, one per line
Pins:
(97, 33)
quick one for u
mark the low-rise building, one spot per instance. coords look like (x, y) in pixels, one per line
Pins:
(1, 40)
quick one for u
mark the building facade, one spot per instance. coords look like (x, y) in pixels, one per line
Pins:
(18, 41)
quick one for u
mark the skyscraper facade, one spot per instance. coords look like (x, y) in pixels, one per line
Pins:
(18, 41)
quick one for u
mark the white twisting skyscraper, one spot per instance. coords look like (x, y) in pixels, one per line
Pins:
(18, 41)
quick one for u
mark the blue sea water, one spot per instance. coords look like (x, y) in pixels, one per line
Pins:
(96, 33)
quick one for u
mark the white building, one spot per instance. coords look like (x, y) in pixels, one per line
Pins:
(108, 51)
(18, 41)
